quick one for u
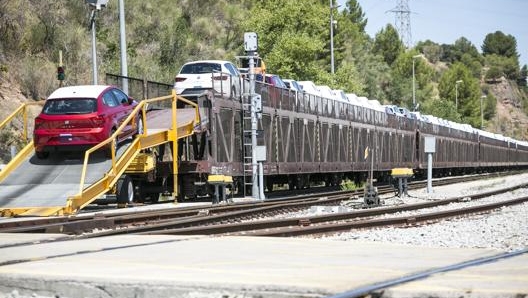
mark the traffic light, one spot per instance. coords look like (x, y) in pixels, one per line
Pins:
(60, 73)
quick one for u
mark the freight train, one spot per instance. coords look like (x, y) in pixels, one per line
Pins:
(311, 140)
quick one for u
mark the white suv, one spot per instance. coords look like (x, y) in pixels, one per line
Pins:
(221, 76)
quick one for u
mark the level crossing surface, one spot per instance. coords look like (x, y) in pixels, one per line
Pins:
(198, 266)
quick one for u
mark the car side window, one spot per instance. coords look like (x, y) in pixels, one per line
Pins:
(120, 96)
(231, 69)
(110, 100)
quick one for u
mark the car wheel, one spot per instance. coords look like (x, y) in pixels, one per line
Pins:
(42, 154)
(125, 190)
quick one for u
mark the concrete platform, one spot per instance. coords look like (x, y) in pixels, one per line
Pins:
(196, 266)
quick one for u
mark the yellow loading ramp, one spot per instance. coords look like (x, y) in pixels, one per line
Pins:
(60, 186)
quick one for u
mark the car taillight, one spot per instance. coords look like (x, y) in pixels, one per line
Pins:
(98, 121)
(178, 79)
(38, 122)
(220, 78)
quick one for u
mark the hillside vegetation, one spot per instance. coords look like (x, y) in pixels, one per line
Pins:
(293, 40)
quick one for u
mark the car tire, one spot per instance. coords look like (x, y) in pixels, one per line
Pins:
(124, 191)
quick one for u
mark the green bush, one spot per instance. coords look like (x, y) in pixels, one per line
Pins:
(493, 74)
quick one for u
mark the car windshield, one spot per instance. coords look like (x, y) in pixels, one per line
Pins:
(68, 106)
(197, 68)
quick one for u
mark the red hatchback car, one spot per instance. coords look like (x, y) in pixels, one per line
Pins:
(79, 117)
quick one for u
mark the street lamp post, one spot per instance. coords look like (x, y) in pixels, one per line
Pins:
(123, 47)
(332, 22)
(456, 93)
(331, 37)
(94, 51)
(95, 5)
(413, 83)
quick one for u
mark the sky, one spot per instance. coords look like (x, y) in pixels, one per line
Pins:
(444, 21)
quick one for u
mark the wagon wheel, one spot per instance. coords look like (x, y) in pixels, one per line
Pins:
(125, 191)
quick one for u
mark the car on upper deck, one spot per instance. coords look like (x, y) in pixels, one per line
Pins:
(292, 85)
(274, 80)
(79, 117)
(310, 87)
(221, 76)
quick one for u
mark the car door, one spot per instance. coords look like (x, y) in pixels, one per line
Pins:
(125, 109)
(113, 111)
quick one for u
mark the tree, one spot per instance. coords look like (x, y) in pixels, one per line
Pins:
(462, 47)
(472, 64)
(431, 50)
(467, 93)
(505, 46)
(401, 86)
(294, 41)
(493, 74)
(463, 51)
(523, 77)
(489, 106)
(388, 44)
(354, 13)
(500, 44)
(288, 57)
(292, 37)
(506, 65)
(349, 79)
(441, 108)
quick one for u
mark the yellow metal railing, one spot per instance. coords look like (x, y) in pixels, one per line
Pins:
(85, 196)
(28, 148)
(22, 109)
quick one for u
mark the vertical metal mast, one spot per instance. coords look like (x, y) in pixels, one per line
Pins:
(331, 37)
(94, 51)
(95, 5)
(122, 38)
(254, 164)
(250, 46)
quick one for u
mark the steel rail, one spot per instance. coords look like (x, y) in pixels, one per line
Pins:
(314, 224)
(178, 218)
(367, 290)
(394, 221)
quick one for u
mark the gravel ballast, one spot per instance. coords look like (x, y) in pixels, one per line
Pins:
(504, 230)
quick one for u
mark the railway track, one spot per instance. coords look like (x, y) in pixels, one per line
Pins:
(335, 222)
(83, 223)
(247, 218)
